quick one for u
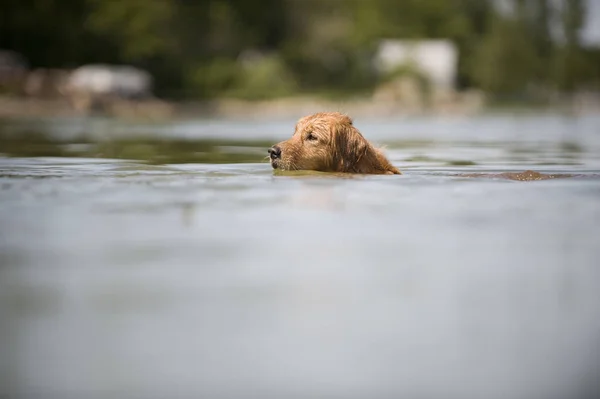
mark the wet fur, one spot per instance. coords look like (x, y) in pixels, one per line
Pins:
(329, 142)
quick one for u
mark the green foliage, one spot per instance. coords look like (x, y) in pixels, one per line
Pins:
(505, 60)
(214, 77)
(573, 67)
(193, 48)
(140, 26)
(571, 64)
(266, 78)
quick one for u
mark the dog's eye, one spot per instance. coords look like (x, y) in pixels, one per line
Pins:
(311, 137)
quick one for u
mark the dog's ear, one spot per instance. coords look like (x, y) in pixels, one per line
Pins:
(350, 146)
(354, 154)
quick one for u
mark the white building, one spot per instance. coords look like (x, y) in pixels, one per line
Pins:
(436, 59)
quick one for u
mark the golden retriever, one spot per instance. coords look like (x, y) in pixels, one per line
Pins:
(329, 142)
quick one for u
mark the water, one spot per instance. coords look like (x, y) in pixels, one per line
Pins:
(170, 261)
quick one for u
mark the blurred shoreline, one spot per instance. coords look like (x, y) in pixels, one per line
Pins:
(158, 110)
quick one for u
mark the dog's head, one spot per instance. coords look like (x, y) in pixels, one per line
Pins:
(329, 142)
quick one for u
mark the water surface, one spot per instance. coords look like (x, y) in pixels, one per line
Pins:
(169, 260)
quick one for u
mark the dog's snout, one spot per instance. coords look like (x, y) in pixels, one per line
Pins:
(275, 152)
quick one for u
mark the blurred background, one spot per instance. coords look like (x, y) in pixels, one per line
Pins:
(388, 56)
(148, 249)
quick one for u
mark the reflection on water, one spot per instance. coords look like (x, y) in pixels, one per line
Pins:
(148, 149)
(540, 141)
(171, 261)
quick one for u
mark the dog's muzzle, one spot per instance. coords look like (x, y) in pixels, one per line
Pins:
(275, 155)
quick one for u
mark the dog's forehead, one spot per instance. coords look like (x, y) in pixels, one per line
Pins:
(303, 122)
(322, 120)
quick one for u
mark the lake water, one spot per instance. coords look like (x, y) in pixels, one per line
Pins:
(170, 261)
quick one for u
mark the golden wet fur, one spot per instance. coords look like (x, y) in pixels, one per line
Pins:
(329, 142)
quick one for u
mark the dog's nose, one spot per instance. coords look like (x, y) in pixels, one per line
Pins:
(275, 152)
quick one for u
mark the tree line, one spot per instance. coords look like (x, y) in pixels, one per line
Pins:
(198, 49)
